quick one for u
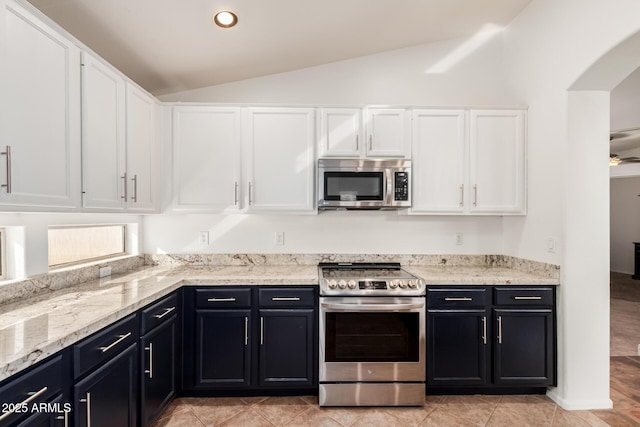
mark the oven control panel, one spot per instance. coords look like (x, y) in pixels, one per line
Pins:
(378, 287)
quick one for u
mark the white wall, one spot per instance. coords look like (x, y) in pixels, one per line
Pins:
(328, 232)
(625, 222)
(463, 72)
(625, 103)
(27, 237)
(547, 48)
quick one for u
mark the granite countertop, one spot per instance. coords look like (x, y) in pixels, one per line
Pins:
(35, 328)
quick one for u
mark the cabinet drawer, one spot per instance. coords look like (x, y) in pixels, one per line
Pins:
(523, 296)
(223, 298)
(104, 344)
(159, 312)
(38, 384)
(456, 297)
(287, 297)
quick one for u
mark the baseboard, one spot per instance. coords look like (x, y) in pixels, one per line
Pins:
(578, 405)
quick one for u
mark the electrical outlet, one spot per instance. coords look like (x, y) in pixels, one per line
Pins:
(279, 238)
(204, 238)
(105, 271)
(459, 238)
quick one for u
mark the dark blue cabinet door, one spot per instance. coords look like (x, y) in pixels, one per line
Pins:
(108, 396)
(524, 347)
(287, 350)
(222, 348)
(158, 359)
(457, 348)
(53, 415)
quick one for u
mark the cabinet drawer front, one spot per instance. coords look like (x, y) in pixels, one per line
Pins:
(37, 385)
(223, 298)
(159, 312)
(523, 296)
(456, 297)
(104, 344)
(287, 297)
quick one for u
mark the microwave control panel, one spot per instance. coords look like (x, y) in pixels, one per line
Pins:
(401, 186)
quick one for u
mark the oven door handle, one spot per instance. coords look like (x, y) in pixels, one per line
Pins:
(371, 307)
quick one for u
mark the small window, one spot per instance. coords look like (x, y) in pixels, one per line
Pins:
(3, 254)
(73, 245)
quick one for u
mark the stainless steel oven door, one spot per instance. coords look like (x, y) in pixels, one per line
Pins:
(372, 339)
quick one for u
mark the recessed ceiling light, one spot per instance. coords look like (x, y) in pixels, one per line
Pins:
(225, 19)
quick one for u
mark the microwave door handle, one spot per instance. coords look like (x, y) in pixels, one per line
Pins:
(389, 190)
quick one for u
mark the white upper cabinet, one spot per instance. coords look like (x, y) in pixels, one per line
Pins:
(103, 136)
(40, 116)
(142, 178)
(469, 162)
(388, 131)
(206, 159)
(497, 161)
(279, 158)
(383, 133)
(438, 167)
(341, 133)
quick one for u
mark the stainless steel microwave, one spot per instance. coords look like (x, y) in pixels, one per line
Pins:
(364, 183)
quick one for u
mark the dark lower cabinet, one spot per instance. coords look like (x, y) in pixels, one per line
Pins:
(512, 348)
(222, 348)
(524, 347)
(54, 415)
(158, 366)
(107, 397)
(286, 347)
(457, 348)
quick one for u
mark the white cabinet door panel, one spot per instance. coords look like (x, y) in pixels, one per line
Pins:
(40, 78)
(387, 131)
(281, 157)
(340, 132)
(439, 142)
(497, 161)
(103, 136)
(206, 158)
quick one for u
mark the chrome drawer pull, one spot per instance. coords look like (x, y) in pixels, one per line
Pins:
(64, 417)
(32, 396)
(528, 298)
(88, 402)
(499, 329)
(166, 311)
(285, 299)
(246, 331)
(458, 299)
(135, 189)
(484, 330)
(125, 195)
(150, 370)
(7, 153)
(221, 299)
(115, 343)
(261, 330)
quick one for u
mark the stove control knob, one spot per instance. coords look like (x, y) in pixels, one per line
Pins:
(342, 284)
(402, 284)
(413, 284)
(332, 284)
(393, 284)
(352, 284)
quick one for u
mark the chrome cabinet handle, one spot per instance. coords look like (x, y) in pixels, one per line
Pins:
(528, 298)
(235, 194)
(484, 330)
(221, 299)
(246, 331)
(166, 311)
(32, 396)
(285, 299)
(64, 417)
(261, 330)
(475, 195)
(7, 152)
(135, 189)
(462, 195)
(150, 370)
(499, 329)
(87, 400)
(458, 299)
(124, 179)
(116, 342)
(250, 200)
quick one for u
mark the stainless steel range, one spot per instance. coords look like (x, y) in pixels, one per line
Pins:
(372, 335)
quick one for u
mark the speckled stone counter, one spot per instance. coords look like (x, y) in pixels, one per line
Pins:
(33, 328)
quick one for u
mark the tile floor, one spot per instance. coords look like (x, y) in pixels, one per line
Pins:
(478, 410)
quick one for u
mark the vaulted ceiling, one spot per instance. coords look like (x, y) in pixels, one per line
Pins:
(170, 45)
